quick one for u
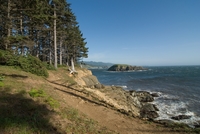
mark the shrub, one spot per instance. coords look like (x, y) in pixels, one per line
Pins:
(27, 63)
(33, 65)
(49, 66)
(5, 57)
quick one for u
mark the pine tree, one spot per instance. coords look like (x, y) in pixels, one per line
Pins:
(43, 29)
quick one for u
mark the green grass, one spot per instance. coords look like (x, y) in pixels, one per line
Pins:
(1, 77)
(181, 127)
(29, 108)
(19, 113)
(65, 78)
(1, 84)
(1, 80)
(80, 124)
(37, 93)
(46, 98)
(52, 102)
(22, 115)
(121, 65)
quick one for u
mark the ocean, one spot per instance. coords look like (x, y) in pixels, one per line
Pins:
(178, 88)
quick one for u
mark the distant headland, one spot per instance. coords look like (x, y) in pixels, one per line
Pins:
(125, 67)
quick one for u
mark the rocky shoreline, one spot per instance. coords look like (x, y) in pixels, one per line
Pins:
(132, 103)
(140, 104)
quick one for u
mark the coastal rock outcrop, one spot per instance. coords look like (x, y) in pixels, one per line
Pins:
(122, 67)
(133, 103)
(143, 96)
(85, 78)
(149, 111)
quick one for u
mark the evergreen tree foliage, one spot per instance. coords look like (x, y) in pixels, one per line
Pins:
(46, 29)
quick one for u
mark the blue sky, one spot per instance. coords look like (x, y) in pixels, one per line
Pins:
(140, 32)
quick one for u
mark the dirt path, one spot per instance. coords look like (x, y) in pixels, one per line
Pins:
(105, 116)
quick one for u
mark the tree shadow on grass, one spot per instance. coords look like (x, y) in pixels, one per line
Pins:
(14, 75)
(19, 114)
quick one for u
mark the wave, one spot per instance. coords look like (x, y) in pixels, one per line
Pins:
(124, 87)
(170, 106)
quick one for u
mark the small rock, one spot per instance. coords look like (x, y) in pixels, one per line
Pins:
(132, 92)
(149, 111)
(149, 114)
(144, 96)
(98, 86)
(149, 107)
(181, 117)
(81, 102)
(165, 122)
(197, 124)
(155, 94)
(155, 107)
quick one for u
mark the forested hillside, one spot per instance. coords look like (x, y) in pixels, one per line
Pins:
(46, 29)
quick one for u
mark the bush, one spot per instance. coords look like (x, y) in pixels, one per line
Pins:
(5, 57)
(49, 66)
(27, 63)
(33, 65)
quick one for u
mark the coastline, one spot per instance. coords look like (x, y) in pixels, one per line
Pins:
(79, 107)
(177, 86)
(132, 103)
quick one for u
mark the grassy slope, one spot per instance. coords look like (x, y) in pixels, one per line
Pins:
(28, 105)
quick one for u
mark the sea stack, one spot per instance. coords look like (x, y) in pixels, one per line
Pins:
(124, 67)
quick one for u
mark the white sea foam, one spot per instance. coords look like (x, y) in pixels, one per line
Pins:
(124, 87)
(169, 106)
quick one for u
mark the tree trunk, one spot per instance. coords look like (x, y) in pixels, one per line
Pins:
(61, 51)
(55, 45)
(50, 56)
(9, 26)
(22, 47)
(21, 29)
(72, 64)
(50, 51)
(37, 45)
